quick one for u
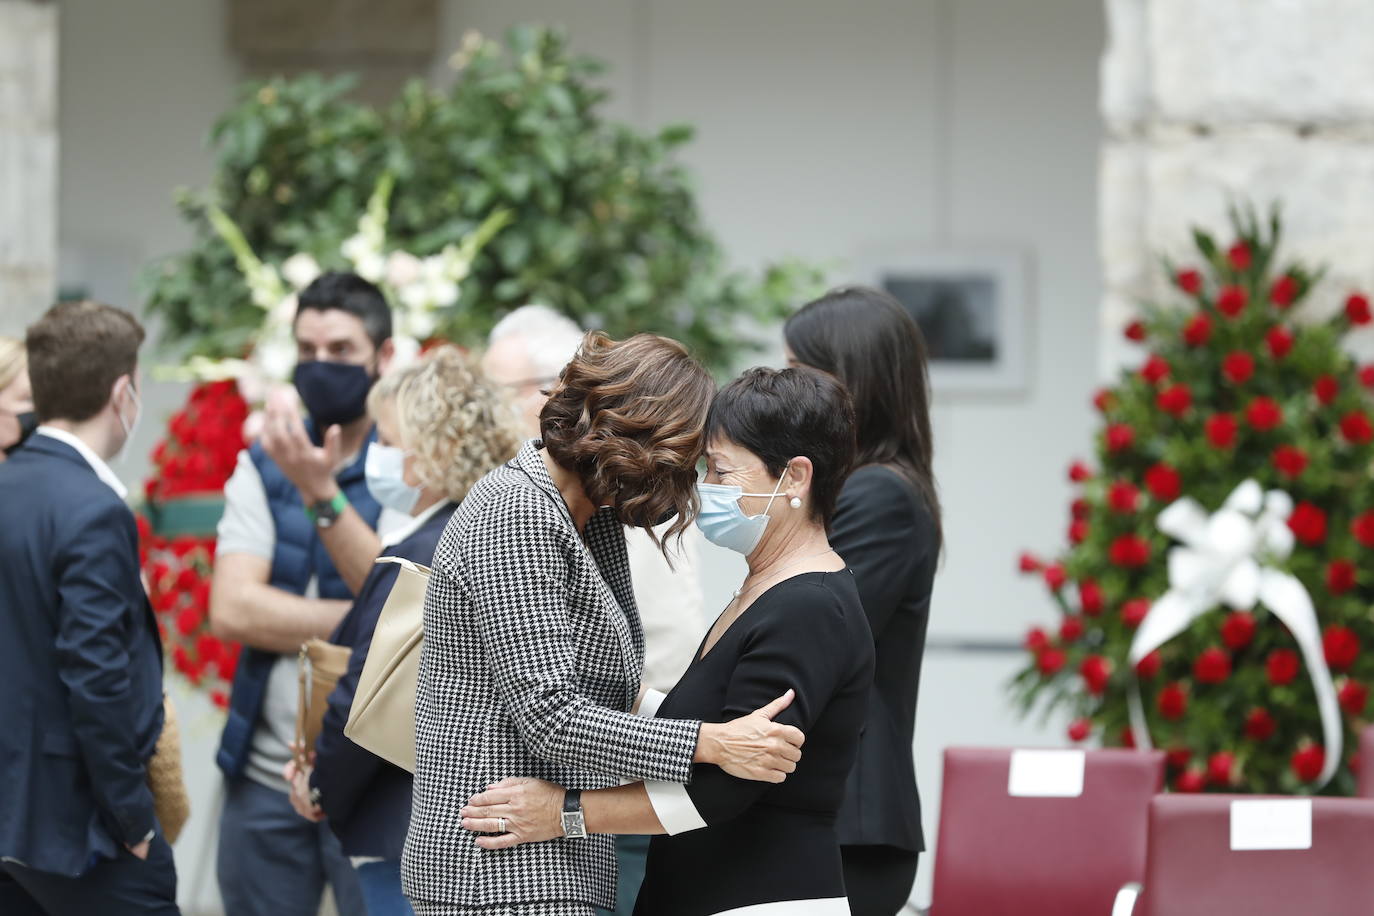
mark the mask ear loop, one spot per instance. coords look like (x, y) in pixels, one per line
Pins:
(777, 489)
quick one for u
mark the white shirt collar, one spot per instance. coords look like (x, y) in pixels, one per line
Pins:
(400, 534)
(102, 470)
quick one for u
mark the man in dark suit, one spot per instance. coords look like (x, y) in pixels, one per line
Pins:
(82, 710)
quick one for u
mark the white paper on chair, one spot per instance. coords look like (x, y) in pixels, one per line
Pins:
(1046, 774)
(1271, 823)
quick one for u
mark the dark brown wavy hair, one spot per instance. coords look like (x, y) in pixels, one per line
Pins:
(628, 417)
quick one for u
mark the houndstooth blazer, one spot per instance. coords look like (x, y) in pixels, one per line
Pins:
(532, 657)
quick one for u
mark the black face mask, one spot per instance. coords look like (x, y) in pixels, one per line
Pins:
(28, 422)
(333, 393)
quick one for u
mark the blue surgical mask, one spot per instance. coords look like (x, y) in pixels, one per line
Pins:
(724, 523)
(385, 469)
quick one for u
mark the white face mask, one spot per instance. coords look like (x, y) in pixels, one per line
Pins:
(129, 427)
(385, 469)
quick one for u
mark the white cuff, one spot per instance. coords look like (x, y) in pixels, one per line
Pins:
(673, 806)
(653, 699)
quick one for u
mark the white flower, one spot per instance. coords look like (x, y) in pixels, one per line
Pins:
(300, 270)
(370, 266)
(407, 351)
(284, 312)
(420, 323)
(415, 296)
(444, 293)
(402, 269)
(264, 285)
(356, 247)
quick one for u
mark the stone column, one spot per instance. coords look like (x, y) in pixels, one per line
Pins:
(28, 160)
(1210, 102)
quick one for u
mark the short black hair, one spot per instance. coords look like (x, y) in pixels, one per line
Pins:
(348, 292)
(781, 414)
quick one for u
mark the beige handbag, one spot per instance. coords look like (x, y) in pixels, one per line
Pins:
(171, 804)
(321, 665)
(382, 719)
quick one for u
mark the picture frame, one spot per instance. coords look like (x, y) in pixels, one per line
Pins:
(973, 307)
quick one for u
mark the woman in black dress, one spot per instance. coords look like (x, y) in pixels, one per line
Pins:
(887, 528)
(779, 447)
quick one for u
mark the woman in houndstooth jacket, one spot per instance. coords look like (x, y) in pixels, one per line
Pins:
(533, 646)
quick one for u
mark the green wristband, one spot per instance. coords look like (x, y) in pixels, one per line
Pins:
(334, 508)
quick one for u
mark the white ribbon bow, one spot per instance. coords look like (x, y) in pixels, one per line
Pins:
(1219, 562)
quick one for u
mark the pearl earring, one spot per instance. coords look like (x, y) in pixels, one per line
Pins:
(795, 502)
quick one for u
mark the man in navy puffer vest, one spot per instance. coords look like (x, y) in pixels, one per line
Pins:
(297, 539)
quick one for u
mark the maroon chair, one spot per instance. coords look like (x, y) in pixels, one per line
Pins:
(1366, 778)
(1192, 870)
(1001, 853)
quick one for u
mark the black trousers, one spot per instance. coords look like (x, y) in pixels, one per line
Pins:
(878, 879)
(127, 886)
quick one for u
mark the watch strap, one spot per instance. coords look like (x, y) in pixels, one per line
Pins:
(331, 507)
(572, 801)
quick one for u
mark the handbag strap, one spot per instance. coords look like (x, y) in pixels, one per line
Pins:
(408, 565)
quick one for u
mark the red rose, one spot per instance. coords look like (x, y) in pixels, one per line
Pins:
(1238, 367)
(1280, 341)
(1367, 376)
(1221, 769)
(1363, 528)
(1341, 646)
(1289, 460)
(1079, 472)
(1177, 757)
(1356, 429)
(1284, 291)
(1119, 437)
(1055, 577)
(1129, 551)
(1213, 666)
(1134, 611)
(208, 648)
(1156, 368)
(1263, 414)
(220, 699)
(1078, 531)
(1036, 640)
(229, 662)
(1090, 597)
(1190, 782)
(1357, 309)
(1135, 331)
(1071, 629)
(1149, 666)
(1050, 662)
(1238, 629)
(1029, 563)
(1198, 330)
(1231, 300)
(188, 620)
(1104, 400)
(1340, 576)
(1326, 388)
(1353, 697)
(1308, 523)
(1164, 483)
(1281, 666)
(1128, 738)
(1096, 671)
(1221, 430)
(1308, 762)
(1123, 497)
(1080, 508)
(1176, 399)
(186, 579)
(1239, 256)
(1189, 280)
(1080, 729)
(1172, 702)
(1259, 725)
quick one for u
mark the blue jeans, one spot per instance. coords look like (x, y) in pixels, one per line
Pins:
(273, 862)
(631, 852)
(381, 884)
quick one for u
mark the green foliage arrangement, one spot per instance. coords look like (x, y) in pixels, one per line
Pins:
(1233, 390)
(604, 223)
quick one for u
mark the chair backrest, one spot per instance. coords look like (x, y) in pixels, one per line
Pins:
(1036, 833)
(1211, 854)
(1366, 779)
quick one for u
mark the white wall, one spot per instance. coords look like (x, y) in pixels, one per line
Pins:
(824, 130)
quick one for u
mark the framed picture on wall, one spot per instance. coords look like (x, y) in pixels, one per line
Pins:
(972, 306)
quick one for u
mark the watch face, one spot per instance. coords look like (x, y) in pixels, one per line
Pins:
(574, 825)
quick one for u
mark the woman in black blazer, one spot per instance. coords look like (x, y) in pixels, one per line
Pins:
(440, 427)
(887, 528)
(780, 445)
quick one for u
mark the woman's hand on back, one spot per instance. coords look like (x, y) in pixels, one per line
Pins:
(753, 747)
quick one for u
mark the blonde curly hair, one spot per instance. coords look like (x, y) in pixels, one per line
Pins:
(13, 360)
(450, 418)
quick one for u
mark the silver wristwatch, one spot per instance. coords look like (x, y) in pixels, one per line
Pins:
(574, 822)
